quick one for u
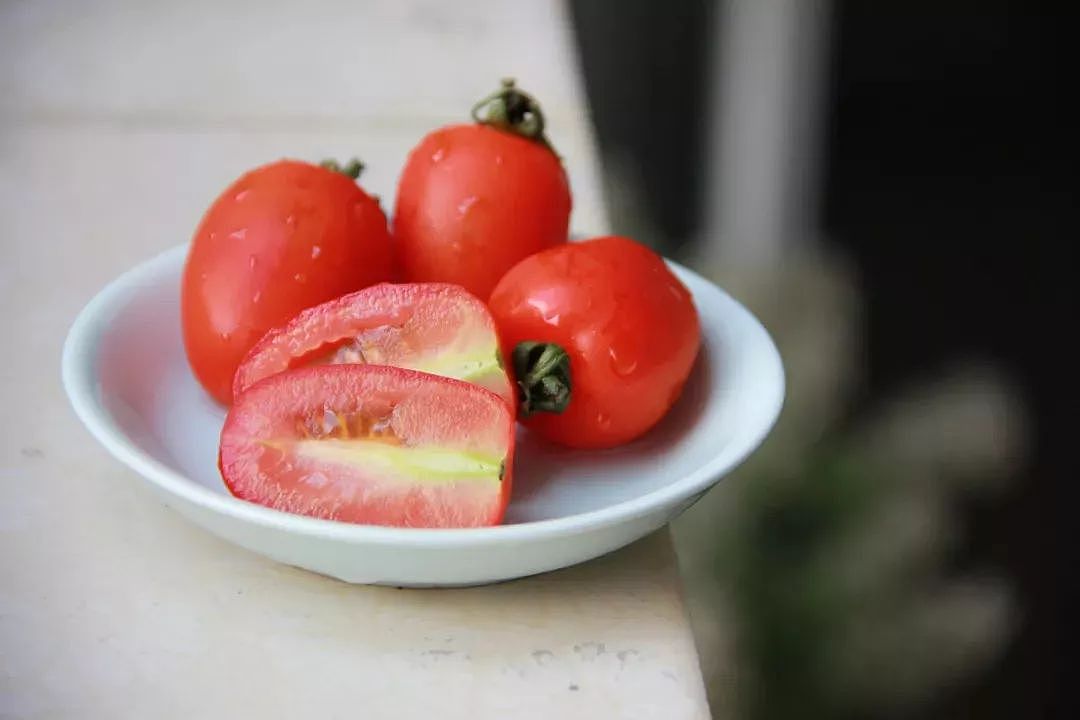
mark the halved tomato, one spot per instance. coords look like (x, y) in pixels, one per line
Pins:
(371, 444)
(433, 327)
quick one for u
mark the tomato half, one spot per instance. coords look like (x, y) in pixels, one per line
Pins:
(371, 444)
(473, 200)
(603, 337)
(282, 238)
(432, 327)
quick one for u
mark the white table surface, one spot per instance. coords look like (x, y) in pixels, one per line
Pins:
(118, 123)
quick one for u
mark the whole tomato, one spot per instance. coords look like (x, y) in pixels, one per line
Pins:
(282, 238)
(475, 199)
(602, 336)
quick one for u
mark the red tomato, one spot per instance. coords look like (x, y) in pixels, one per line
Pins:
(603, 337)
(371, 444)
(432, 327)
(282, 238)
(475, 199)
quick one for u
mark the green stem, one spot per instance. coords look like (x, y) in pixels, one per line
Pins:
(351, 169)
(543, 373)
(512, 110)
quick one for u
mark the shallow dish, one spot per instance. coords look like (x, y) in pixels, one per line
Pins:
(128, 380)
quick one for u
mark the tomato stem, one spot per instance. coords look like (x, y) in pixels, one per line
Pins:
(543, 372)
(351, 169)
(512, 110)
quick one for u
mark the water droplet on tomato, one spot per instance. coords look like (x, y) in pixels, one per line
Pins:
(242, 195)
(621, 366)
(290, 220)
(466, 205)
(603, 420)
(226, 336)
(213, 236)
(315, 251)
(498, 159)
(252, 261)
(238, 234)
(438, 155)
(256, 297)
(300, 278)
(546, 311)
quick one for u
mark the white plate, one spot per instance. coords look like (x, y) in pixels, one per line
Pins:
(128, 380)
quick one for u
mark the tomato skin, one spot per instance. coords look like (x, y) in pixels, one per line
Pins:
(282, 238)
(272, 444)
(629, 326)
(472, 201)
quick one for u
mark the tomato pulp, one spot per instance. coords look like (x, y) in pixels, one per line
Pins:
(432, 327)
(371, 444)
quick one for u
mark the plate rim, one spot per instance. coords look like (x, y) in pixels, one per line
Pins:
(78, 369)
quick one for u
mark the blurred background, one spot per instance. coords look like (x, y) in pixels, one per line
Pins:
(887, 184)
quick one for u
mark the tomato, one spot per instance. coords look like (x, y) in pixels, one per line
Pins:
(432, 327)
(473, 200)
(371, 444)
(282, 238)
(603, 337)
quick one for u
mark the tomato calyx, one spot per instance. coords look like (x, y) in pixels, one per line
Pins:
(351, 169)
(512, 110)
(543, 373)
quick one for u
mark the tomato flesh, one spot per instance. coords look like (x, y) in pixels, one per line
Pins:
(433, 327)
(373, 445)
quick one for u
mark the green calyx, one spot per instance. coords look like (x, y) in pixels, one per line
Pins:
(543, 375)
(511, 110)
(351, 169)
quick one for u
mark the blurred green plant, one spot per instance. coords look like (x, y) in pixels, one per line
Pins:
(818, 576)
(836, 584)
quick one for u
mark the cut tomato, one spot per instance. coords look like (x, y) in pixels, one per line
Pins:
(433, 327)
(371, 444)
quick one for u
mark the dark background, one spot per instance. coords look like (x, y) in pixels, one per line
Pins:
(949, 181)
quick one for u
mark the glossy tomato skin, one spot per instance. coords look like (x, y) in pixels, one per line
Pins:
(281, 238)
(628, 324)
(474, 200)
